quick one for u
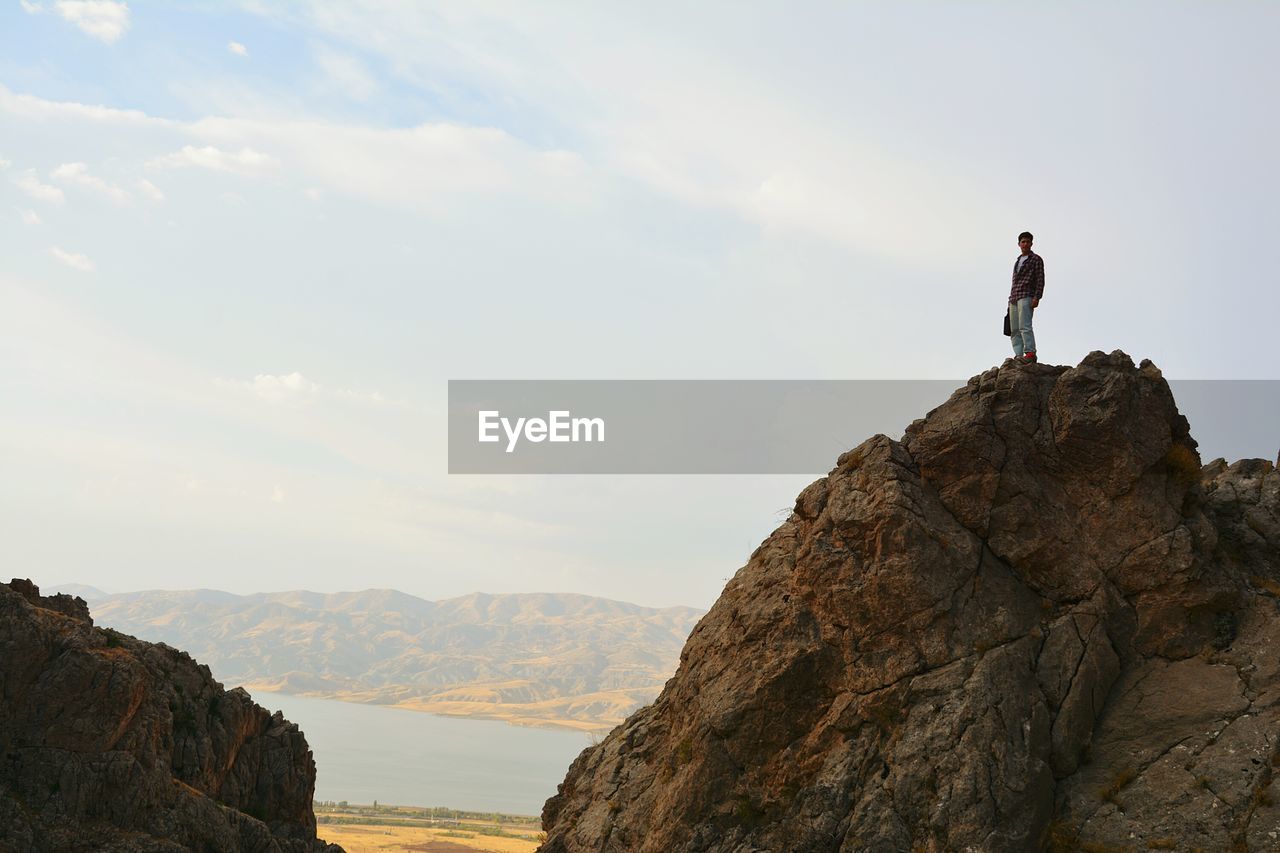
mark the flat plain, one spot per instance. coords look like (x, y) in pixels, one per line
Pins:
(413, 839)
(392, 829)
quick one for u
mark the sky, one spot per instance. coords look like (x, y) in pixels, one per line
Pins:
(246, 244)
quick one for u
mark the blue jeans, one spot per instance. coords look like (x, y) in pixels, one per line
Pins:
(1024, 340)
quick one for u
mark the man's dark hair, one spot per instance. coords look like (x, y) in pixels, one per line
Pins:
(1026, 235)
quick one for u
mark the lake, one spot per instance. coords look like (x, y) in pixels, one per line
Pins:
(407, 758)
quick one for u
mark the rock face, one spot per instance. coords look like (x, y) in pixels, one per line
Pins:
(1034, 623)
(108, 743)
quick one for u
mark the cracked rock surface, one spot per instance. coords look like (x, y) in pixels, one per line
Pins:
(1035, 622)
(108, 743)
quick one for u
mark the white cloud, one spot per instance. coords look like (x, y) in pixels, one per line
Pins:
(425, 167)
(314, 193)
(31, 8)
(277, 494)
(296, 387)
(77, 174)
(150, 190)
(266, 385)
(361, 396)
(237, 48)
(348, 74)
(104, 20)
(708, 127)
(288, 386)
(4, 164)
(735, 154)
(75, 260)
(30, 184)
(30, 106)
(246, 161)
(29, 217)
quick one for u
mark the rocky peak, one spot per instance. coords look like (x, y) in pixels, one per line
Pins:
(75, 607)
(1033, 623)
(108, 743)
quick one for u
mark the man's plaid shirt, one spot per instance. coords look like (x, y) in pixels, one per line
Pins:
(1028, 281)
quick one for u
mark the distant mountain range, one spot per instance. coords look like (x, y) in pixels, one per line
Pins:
(88, 593)
(530, 659)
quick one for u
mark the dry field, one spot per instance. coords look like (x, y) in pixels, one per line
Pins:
(394, 839)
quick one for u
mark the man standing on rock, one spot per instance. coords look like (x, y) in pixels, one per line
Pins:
(1024, 298)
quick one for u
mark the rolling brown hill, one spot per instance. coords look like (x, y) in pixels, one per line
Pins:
(531, 659)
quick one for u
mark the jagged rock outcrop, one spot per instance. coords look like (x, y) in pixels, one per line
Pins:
(1033, 623)
(108, 743)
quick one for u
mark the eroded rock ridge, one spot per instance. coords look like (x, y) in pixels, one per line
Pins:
(1035, 622)
(108, 743)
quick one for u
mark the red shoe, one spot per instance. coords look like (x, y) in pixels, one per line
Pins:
(1028, 358)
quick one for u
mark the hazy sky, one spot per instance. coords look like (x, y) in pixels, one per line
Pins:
(246, 244)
